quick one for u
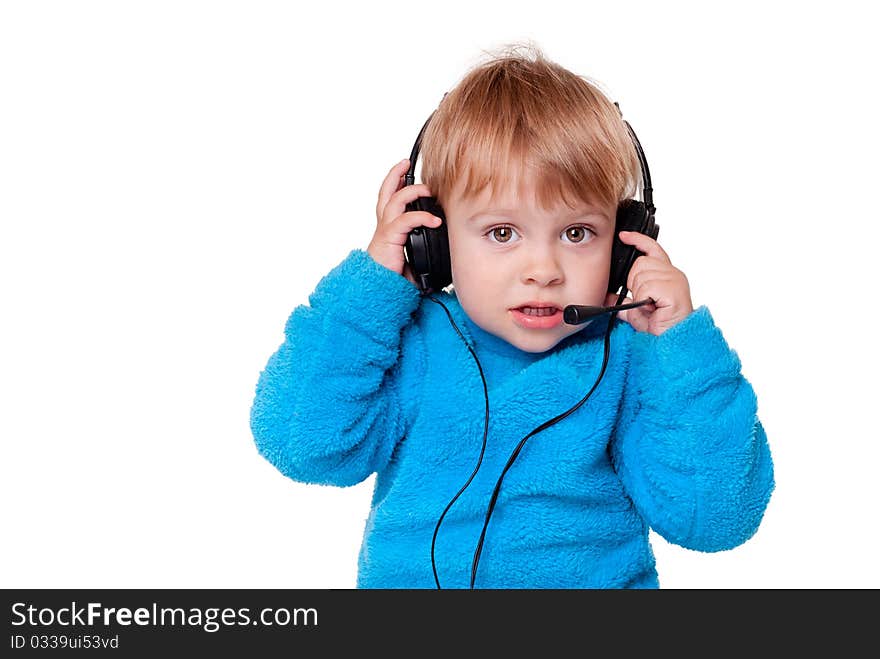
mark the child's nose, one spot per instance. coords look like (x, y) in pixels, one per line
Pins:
(542, 268)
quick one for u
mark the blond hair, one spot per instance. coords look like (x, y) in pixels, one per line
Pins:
(518, 114)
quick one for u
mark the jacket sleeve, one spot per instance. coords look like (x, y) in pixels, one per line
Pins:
(328, 405)
(690, 448)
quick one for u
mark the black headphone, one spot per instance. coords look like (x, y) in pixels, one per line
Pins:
(427, 248)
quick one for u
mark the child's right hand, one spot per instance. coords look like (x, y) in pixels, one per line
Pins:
(394, 222)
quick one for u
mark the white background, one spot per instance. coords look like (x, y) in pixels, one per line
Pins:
(175, 177)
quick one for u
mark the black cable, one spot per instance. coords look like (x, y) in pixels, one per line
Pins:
(482, 450)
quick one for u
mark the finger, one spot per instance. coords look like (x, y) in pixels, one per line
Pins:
(645, 263)
(656, 287)
(403, 224)
(644, 268)
(644, 244)
(397, 203)
(649, 264)
(393, 182)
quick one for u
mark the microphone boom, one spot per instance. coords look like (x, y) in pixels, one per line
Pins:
(575, 314)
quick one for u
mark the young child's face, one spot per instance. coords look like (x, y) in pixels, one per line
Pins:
(508, 253)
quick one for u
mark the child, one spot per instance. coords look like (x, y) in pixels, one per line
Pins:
(636, 420)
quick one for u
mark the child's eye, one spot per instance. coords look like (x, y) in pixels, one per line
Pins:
(578, 234)
(501, 234)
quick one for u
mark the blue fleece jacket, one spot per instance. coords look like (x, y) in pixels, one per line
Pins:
(373, 379)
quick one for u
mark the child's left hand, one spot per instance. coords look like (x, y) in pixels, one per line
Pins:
(653, 275)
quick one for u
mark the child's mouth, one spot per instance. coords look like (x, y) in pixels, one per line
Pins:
(537, 317)
(538, 311)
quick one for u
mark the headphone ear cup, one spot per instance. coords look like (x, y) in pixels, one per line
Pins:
(632, 215)
(427, 249)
